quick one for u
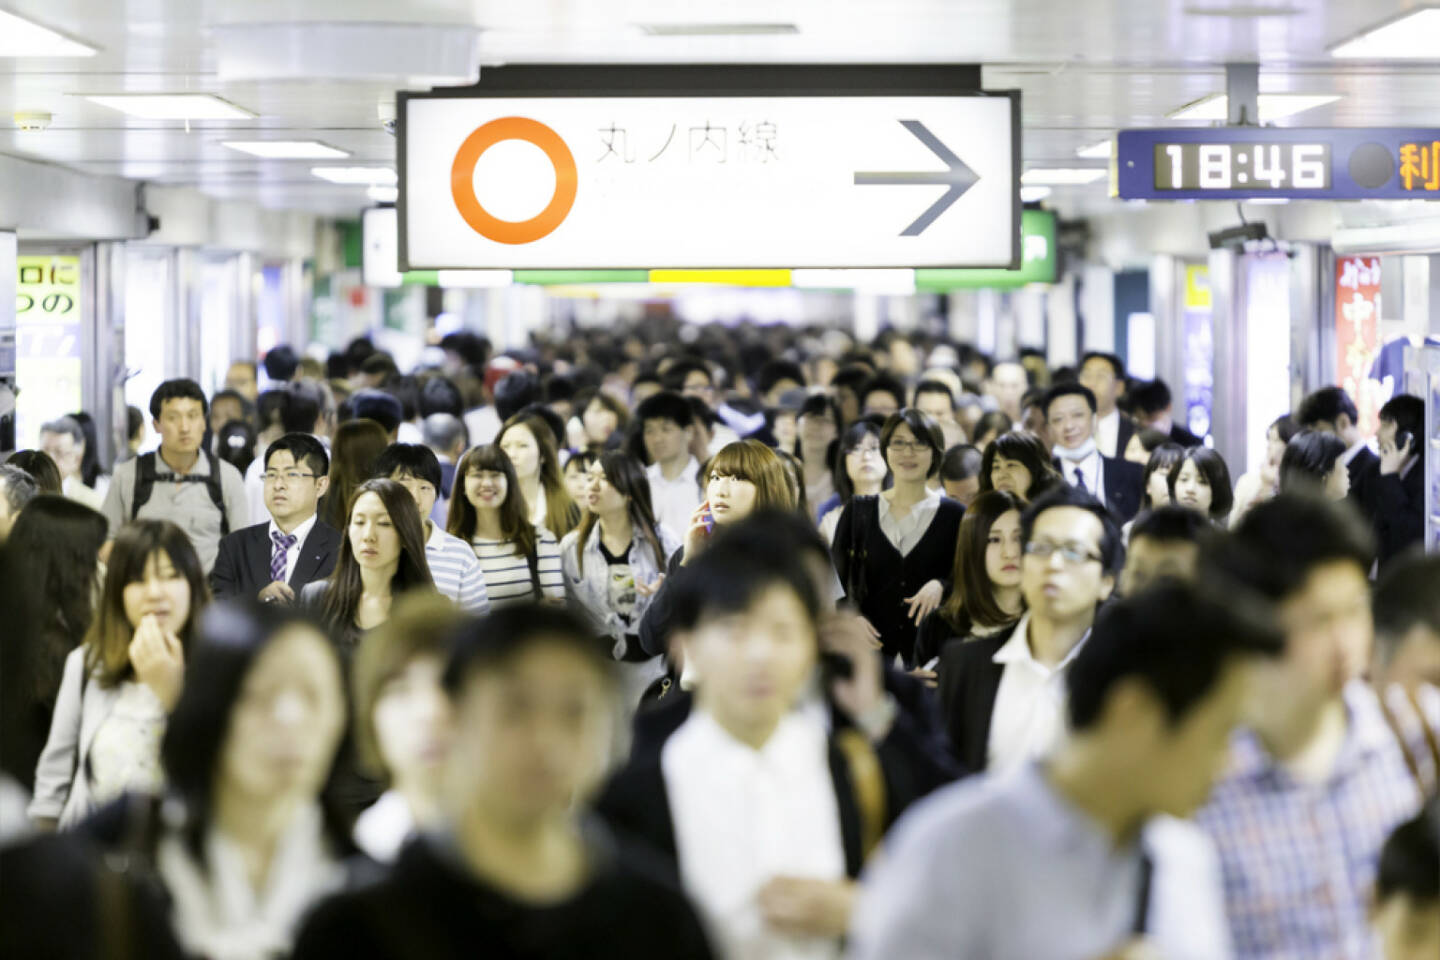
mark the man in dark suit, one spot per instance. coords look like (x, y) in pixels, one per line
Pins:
(273, 561)
(1103, 374)
(1331, 410)
(1115, 482)
(1151, 401)
(1003, 695)
(1396, 490)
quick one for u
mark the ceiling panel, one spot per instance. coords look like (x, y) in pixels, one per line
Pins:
(1085, 68)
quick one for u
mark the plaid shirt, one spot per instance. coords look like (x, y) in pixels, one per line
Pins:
(1299, 858)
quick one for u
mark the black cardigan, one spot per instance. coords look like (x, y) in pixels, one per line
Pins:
(888, 577)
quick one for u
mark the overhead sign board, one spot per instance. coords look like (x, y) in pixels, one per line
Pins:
(656, 181)
(1039, 262)
(1235, 163)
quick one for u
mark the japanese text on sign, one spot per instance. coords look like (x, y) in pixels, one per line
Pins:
(1357, 317)
(750, 141)
(48, 343)
(1420, 166)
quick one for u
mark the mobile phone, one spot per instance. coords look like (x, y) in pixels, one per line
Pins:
(709, 522)
(1402, 439)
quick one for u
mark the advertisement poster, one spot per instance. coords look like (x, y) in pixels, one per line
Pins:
(1357, 341)
(47, 342)
(1199, 347)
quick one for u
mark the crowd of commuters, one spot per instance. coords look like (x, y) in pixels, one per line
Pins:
(742, 643)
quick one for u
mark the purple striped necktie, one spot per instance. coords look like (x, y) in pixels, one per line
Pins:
(283, 542)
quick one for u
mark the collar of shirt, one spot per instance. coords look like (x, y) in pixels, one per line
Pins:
(201, 467)
(299, 533)
(1058, 823)
(687, 476)
(1352, 453)
(919, 517)
(1107, 431)
(1017, 649)
(1366, 733)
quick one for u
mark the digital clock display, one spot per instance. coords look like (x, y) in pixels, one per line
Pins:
(1252, 167)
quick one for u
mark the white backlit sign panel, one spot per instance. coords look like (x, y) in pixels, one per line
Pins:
(709, 182)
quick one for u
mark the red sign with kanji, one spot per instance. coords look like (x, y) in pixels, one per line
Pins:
(1357, 338)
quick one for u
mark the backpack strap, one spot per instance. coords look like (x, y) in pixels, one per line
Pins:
(217, 491)
(144, 482)
(867, 779)
(145, 477)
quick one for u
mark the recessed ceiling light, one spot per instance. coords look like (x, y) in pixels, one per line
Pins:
(25, 38)
(1103, 150)
(1034, 194)
(1241, 11)
(1062, 176)
(287, 149)
(383, 194)
(1412, 36)
(171, 106)
(717, 29)
(357, 176)
(1272, 106)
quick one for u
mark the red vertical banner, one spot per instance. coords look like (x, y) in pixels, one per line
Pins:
(1357, 334)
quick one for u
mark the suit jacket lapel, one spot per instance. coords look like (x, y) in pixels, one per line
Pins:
(258, 556)
(312, 554)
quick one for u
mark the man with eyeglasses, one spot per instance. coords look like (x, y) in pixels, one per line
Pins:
(274, 560)
(1004, 695)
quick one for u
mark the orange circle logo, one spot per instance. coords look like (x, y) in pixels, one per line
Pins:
(462, 180)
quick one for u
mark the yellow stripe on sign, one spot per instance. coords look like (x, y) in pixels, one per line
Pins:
(729, 278)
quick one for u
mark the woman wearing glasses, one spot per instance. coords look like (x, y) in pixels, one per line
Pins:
(859, 471)
(893, 551)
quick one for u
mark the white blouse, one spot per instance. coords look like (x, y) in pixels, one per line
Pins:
(743, 817)
(125, 754)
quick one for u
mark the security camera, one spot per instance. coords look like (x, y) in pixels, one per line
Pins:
(32, 121)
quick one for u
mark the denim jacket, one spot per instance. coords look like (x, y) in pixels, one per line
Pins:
(589, 592)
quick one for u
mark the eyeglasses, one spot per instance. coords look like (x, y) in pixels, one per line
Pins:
(866, 450)
(290, 476)
(1072, 553)
(909, 446)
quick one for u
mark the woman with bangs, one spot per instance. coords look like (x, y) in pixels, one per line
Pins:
(859, 471)
(894, 551)
(530, 444)
(986, 596)
(521, 559)
(1019, 463)
(119, 686)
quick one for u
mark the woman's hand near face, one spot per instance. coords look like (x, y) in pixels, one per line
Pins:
(864, 690)
(696, 535)
(159, 660)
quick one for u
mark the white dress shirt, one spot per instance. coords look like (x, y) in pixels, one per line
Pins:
(1092, 468)
(907, 531)
(1029, 716)
(675, 500)
(292, 554)
(1351, 453)
(1107, 433)
(742, 817)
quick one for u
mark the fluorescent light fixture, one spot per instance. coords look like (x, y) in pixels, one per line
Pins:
(1272, 106)
(1242, 11)
(171, 106)
(1267, 201)
(1412, 36)
(287, 149)
(1034, 194)
(25, 38)
(1062, 176)
(879, 280)
(1103, 150)
(383, 194)
(357, 176)
(475, 278)
(717, 29)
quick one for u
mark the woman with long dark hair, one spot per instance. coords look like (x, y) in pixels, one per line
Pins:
(818, 427)
(615, 560)
(118, 687)
(1018, 463)
(357, 445)
(858, 469)
(985, 598)
(1312, 462)
(244, 845)
(530, 444)
(1155, 486)
(894, 551)
(1200, 481)
(521, 560)
(56, 542)
(603, 419)
(382, 555)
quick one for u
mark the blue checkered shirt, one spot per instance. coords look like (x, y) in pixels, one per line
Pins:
(1299, 858)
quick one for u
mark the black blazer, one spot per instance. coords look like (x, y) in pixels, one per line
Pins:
(1364, 470)
(1128, 428)
(1397, 507)
(969, 679)
(1184, 437)
(1124, 483)
(242, 568)
(888, 577)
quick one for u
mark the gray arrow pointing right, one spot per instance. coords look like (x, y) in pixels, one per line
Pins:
(959, 178)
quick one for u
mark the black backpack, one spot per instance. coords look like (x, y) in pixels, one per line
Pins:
(145, 477)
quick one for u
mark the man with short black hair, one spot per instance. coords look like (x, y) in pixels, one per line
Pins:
(1080, 856)
(1004, 694)
(514, 393)
(1152, 403)
(1331, 411)
(776, 378)
(1407, 624)
(1103, 374)
(960, 473)
(936, 401)
(1006, 385)
(297, 407)
(445, 434)
(1070, 412)
(691, 378)
(667, 428)
(282, 364)
(882, 394)
(1395, 494)
(379, 406)
(17, 488)
(181, 482)
(273, 560)
(847, 384)
(1319, 776)
(1164, 543)
(457, 573)
(64, 440)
